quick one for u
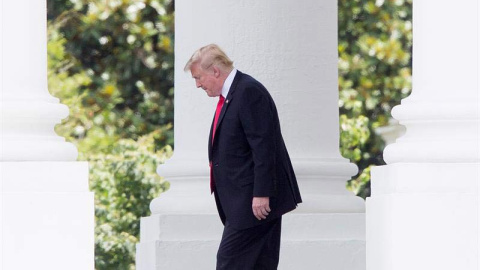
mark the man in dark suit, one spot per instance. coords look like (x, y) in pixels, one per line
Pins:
(251, 173)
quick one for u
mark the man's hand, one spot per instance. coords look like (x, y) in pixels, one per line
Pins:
(261, 207)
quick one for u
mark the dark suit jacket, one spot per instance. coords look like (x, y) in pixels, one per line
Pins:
(249, 158)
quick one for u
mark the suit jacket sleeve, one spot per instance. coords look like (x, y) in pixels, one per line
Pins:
(257, 118)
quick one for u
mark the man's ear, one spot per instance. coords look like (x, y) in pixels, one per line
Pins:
(216, 71)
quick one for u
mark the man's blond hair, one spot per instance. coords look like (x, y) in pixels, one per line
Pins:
(208, 56)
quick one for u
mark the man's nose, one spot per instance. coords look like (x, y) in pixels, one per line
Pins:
(198, 84)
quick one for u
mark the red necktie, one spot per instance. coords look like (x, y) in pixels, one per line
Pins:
(221, 100)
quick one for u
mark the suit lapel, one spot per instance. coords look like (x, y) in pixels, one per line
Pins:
(228, 99)
(222, 113)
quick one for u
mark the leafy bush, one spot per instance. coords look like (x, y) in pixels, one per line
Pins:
(375, 42)
(125, 182)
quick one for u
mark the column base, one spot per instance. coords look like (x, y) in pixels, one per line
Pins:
(47, 216)
(423, 216)
(326, 231)
(309, 241)
(321, 183)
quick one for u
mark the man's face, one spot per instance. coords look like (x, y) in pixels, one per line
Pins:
(208, 80)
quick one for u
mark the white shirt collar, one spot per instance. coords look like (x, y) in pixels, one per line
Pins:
(228, 82)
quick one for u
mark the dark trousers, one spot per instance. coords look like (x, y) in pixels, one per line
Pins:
(256, 248)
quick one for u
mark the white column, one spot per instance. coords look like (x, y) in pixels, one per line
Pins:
(291, 48)
(424, 209)
(47, 214)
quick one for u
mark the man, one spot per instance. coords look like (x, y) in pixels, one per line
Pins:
(251, 173)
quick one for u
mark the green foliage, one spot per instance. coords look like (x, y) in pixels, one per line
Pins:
(124, 182)
(375, 41)
(125, 47)
(354, 136)
(111, 62)
(56, 7)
